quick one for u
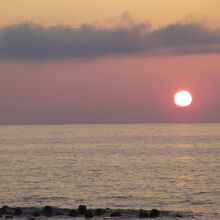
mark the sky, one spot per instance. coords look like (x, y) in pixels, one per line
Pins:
(107, 61)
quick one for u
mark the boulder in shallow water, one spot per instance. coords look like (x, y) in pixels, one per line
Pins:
(99, 212)
(73, 213)
(47, 210)
(88, 214)
(115, 214)
(18, 211)
(4, 209)
(82, 209)
(35, 214)
(143, 214)
(154, 213)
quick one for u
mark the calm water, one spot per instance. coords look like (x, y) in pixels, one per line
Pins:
(166, 166)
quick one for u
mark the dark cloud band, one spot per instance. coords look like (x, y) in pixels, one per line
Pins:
(29, 41)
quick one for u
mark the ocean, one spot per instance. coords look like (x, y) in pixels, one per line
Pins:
(120, 166)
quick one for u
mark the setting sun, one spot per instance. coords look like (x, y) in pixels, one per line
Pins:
(183, 98)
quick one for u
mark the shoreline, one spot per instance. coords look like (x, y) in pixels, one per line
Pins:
(82, 212)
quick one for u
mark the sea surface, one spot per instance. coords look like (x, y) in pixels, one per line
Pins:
(128, 166)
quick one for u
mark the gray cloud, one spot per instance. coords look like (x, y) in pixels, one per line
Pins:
(29, 41)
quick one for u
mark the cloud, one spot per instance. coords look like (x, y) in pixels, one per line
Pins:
(28, 41)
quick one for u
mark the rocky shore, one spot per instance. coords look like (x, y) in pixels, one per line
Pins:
(83, 212)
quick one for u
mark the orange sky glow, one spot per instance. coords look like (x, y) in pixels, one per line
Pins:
(76, 12)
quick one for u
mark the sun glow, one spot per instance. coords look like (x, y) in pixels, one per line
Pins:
(183, 98)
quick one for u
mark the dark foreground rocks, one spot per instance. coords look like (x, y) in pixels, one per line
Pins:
(4, 210)
(115, 214)
(143, 214)
(35, 214)
(73, 213)
(89, 214)
(99, 212)
(47, 210)
(82, 211)
(154, 213)
(18, 211)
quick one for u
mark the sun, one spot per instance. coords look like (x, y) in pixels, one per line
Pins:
(183, 98)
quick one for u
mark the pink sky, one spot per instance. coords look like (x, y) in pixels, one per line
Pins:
(118, 89)
(106, 61)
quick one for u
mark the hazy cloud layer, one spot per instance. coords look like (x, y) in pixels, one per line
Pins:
(28, 41)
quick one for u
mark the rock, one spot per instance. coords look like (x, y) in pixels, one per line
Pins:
(18, 211)
(59, 213)
(99, 212)
(179, 216)
(73, 213)
(36, 214)
(88, 214)
(115, 214)
(154, 213)
(82, 209)
(143, 214)
(47, 210)
(4, 209)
